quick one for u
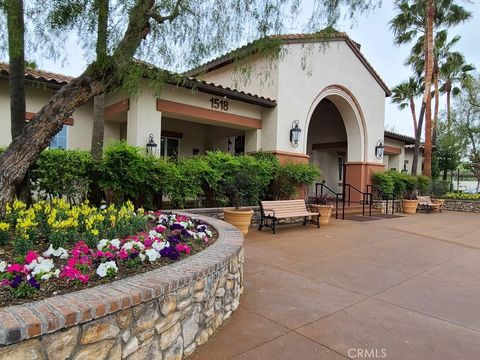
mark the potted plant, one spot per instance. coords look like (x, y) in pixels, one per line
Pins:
(321, 204)
(410, 202)
(241, 189)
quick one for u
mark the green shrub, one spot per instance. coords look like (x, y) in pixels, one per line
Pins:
(439, 187)
(129, 174)
(63, 172)
(399, 183)
(384, 181)
(423, 185)
(290, 176)
(459, 196)
(241, 180)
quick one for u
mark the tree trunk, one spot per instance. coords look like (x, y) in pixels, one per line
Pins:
(414, 115)
(437, 101)
(418, 136)
(98, 126)
(449, 119)
(428, 81)
(25, 149)
(16, 81)
(99, 100)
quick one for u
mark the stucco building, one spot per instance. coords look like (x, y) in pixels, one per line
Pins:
(325, 87)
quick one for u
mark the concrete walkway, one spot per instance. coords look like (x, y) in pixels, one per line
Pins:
(403, 288)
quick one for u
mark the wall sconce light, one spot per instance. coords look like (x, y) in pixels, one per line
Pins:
(151, 145)
(379, 149)
(295, 133)
(404, 170)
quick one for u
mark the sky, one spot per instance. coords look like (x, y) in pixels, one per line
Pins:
(373, 33)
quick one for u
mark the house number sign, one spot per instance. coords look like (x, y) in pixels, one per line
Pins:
(219, 104)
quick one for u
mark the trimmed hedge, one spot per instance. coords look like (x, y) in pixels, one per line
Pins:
(126, 173)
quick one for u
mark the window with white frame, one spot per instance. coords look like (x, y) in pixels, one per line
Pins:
(60, 141)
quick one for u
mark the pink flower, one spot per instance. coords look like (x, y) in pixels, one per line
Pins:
(16, 268)
(148, 242)
(82, 247)
(183, 248)
(123, 254)
(83, 278)
(100, 253)
(109, 254)
(31, 255)
(72, 262)
(160, 228)
(85, 260)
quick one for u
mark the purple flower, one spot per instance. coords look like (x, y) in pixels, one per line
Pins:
(176, 226)
(172, 239)
(170, 252)
(33, 283)
(185, 233)
(16, 281)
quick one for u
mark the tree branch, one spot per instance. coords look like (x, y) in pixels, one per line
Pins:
(160, 19)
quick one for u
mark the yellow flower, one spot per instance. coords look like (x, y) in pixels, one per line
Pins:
(4, 226)
(95, 232)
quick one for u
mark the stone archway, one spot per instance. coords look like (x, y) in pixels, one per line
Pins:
(336, 135)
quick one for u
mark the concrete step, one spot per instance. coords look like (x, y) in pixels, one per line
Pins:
(354, 209)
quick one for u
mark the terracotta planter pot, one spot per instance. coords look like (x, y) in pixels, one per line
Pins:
(239, 218)
(409, 206)
(438, 201)
(325, 213)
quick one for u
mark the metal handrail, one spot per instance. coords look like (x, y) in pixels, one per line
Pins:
(384, 194)
(365, 195)
(337, 196)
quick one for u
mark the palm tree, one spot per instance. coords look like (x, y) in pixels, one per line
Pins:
(404, 95)
(423, 18)
(454, 71)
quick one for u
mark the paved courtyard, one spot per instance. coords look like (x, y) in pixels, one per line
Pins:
(403, 288)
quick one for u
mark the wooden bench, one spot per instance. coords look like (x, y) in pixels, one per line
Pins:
(272, 211)
(426, 204)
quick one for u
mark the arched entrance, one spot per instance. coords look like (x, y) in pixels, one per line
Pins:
(336, 136)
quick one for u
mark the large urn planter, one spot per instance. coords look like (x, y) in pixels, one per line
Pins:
(241, 219)
(441, 202)
(409, 206)
(325, 212)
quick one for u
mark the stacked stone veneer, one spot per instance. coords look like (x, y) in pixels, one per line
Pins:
(462, 205)
(162, 314)
(382, 205)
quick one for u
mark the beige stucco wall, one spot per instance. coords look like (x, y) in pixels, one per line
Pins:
(394, 161)
(79, 135)
(299, 91)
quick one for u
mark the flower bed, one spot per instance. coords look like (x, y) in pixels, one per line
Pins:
(64, 251)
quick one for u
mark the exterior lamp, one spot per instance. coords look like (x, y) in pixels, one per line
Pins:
(151, 145)
(404, 170)
(295, 133)
(379, 148)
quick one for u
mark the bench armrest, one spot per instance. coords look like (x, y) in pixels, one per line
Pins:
(265, 212)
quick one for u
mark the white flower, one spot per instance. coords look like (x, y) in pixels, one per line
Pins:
(56, 273)
(159, 245)
(3, 265)
(102, 243)
(60, 252)
(152, 255)
(103, 268)
(152, 234)
(115, 242)
(42, 267)
(142, 257)
(131, 244)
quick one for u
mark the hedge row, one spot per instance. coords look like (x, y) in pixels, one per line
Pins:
(125, 173)
(407, 186)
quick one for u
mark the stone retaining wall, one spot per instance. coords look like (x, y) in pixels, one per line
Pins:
(162, 314)
(382, 205)
(462, 205)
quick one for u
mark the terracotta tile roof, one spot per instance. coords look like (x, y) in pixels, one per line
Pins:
(175, 79)
(400, 137)
(40, 75)
(229, 57)
(191, 82)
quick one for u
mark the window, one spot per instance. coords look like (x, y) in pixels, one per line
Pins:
(60, 141)
(169, 147)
